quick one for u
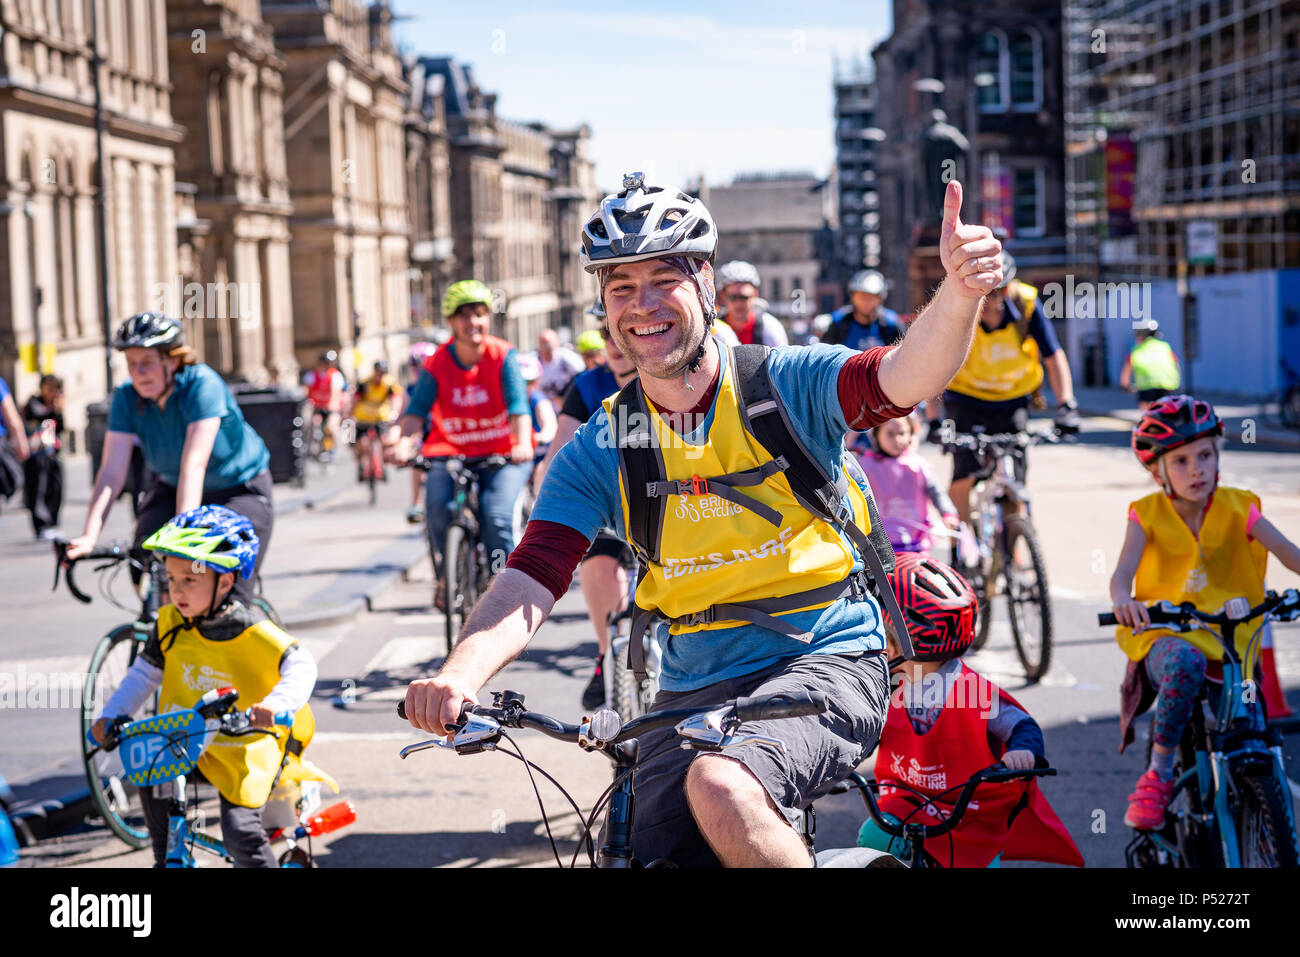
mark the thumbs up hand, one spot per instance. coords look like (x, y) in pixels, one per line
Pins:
(970, 255)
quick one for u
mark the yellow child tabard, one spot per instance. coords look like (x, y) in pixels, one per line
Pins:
(713, 551)
(1178, 567)
(241, 768)
(1001, 364)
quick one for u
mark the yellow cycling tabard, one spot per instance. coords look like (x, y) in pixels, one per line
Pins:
(241, 768)
(1000, 365)
(1226, 565)
(375, 402)
(713, 551)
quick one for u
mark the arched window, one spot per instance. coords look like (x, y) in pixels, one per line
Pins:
(991, 81)
(1026, 70)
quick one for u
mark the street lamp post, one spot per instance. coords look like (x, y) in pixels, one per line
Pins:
(101, 213)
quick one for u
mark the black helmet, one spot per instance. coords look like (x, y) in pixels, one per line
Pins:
(381, 365)
(149, 330)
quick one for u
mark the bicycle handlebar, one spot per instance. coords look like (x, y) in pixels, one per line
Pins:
(116, 552)
(979, 441)
(1168, 613)
(466, 461)
(994, 774)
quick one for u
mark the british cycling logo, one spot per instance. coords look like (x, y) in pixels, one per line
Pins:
(708, 506)
(77, 910)
(932, 776)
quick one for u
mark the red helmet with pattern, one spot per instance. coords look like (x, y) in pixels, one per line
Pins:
(1171, 423)
(939, 606)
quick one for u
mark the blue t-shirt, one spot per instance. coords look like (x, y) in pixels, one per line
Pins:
(885, 330)
(238, 453)
(581, 491)
(4, 394)
(513, 387)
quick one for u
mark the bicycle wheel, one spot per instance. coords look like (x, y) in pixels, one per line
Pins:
(1029, 604)
(458, 561)
(1289, 407)
(1264, 834)
(116, 801)
(371, 477)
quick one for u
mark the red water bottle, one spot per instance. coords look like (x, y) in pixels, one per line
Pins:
(332, 818)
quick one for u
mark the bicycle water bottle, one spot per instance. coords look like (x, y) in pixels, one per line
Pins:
(332, 818)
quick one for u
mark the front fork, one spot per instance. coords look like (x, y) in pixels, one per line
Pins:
(178, 852)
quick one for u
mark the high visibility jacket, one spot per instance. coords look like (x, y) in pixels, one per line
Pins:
(1221, 562)
(469, 416)
(1154, 365)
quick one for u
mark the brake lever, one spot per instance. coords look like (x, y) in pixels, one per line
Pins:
(476, 734)
(715, 731)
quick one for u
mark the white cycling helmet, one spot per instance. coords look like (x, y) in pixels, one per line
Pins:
(868, 280)
(736, 271)
(1145, 325)
(647, 220)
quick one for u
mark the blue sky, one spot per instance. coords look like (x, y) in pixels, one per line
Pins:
(674, 89)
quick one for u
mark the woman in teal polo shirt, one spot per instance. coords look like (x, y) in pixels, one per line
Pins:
(196, 444)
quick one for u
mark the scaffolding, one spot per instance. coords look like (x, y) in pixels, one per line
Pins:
(1204, 91)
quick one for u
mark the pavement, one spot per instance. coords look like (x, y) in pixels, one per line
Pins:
(1248, 423)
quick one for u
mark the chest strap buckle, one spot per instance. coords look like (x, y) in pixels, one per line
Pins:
(706, 617)
(693, 486)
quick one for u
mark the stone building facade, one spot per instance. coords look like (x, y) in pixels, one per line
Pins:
(344, 133)
(50, 276)
(228, 93)
(428, 178)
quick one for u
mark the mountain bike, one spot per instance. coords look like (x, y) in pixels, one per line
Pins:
(709, 728)
(1231, 804)
(1010, 561)
(112, 798)
(912, 835)
(465, 564)
(1288, 398)
(159, 752)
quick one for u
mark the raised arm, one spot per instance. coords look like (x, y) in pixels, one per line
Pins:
(938, 340)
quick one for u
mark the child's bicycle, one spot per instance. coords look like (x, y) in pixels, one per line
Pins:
(710, 728)
(912, 835)
(110, 795)
(1231, 805)
(160, 752)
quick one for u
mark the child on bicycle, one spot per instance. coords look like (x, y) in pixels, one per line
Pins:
(1194, 541)
(945, 723)
(206, 639)
(903, 485)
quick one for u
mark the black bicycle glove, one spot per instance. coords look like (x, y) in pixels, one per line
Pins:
(1067, 418)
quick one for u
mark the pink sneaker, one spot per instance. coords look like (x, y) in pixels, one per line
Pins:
(1146, 805)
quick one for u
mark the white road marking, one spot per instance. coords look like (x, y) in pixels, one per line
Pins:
(31, 667)
(405, 651)
(345, 736)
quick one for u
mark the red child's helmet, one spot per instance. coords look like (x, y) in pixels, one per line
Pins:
(939, 605)
(1173, 422)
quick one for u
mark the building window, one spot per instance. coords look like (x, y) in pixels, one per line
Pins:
(774, 291)
(1027, 190)
(991, 72)
(1026, 69)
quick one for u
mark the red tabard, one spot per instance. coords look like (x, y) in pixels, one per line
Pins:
(469, 415)
(947, 755)
(320, 390)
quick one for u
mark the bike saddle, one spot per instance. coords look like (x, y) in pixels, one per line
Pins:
(856, 857)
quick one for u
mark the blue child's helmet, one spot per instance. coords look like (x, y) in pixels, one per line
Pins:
(212, 535)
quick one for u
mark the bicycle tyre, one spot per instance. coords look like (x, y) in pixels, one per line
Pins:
(269, 610)
(458, 561)
(1035, 664)
(116, 801)
(1289, 407)
(1261, 815)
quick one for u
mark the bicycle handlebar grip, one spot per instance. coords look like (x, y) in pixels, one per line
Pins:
(781, 705)
(401, 710)
(1107, 618)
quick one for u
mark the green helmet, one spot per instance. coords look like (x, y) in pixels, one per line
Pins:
(464, 292)
(591, 341)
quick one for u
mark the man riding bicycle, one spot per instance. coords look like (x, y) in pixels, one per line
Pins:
(1002, 377)
(651, 247)
(325, 390)
(374, 406)
(479, 405)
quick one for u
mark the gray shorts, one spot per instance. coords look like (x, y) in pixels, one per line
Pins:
(820, 749)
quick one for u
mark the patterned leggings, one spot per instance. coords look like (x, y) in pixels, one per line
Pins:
(1177, 669)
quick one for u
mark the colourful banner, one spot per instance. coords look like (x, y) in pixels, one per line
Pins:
(996, 201)
(1121, 165)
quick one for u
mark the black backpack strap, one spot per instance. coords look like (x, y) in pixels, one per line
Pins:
(766, 419)
(641, 464)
